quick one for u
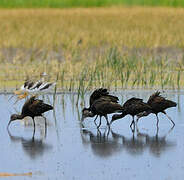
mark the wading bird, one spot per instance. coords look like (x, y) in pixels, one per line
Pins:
(158, 104)
(101, 107)
(32, 108)
(101, 92)
(97, 94)
(132, 107)
(34, 87)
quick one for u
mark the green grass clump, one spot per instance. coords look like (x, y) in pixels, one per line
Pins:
(85, 3)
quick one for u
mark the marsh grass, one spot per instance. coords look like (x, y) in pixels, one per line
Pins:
(83, 49)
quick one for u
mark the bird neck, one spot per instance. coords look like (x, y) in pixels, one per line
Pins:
(91, 114)
(20, 116)
(117, 116)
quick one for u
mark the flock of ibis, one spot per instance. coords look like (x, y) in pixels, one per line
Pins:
(101, 103)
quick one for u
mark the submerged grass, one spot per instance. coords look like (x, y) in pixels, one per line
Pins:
(83, 49)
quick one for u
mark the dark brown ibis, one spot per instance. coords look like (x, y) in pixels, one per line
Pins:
(102, 107)
(132, 107)
(97, 94)
(101, 92)
(33, 107)
(158, 104)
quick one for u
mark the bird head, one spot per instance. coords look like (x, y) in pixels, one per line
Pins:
(117, 116)
(86, 113)
(14, 117)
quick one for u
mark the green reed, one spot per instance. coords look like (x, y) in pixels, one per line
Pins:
(113, 70)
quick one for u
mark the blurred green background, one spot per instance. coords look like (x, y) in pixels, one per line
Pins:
(86, 3)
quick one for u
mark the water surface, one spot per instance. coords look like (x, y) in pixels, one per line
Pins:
(69, 149)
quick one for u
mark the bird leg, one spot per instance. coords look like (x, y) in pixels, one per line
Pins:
(108, 131)
(157, 131)
(107, 120)
(100, 122)
(132, 123)
(45, 126)
(169, 118)
(95, 119)
(34, 126)
(137, 120)
(157, 120)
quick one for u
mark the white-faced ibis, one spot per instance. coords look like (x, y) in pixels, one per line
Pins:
(132, 107)
(97, 94)
(33, 107)
(102, 107)
(158, 104)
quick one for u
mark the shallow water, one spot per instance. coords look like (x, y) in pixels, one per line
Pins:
(69, 149)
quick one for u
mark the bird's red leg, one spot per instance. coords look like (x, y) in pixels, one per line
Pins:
(169, 118)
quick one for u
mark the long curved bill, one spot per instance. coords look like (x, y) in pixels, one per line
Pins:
(8, 123)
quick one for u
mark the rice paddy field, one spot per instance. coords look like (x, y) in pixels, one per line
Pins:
(129, 50)
(84, 48)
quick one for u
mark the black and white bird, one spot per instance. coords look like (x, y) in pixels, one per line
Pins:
(34, 87)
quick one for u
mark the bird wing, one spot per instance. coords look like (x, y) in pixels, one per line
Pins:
(111, 98)
(155, 97)
(137, 107)
(36, 85)
(107, 107)
(30, 84)
(26, 84)
(46, 86)
(132, 101)
(38, 107)
(101, 92)
(25, 108)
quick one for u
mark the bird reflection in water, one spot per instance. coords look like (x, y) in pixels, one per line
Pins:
(138, 143)
(157, 144)
(31, 146)
(100, 143)
(106, 142)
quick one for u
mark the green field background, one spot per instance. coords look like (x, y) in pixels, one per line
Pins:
(86, 3)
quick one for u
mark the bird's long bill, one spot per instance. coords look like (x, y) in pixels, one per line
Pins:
(117, 116)
(82, 118)
(111, 121)
(9, 123)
